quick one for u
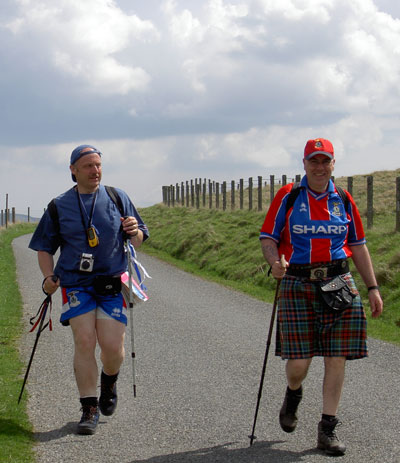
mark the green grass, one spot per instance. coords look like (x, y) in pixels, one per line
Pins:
(224, 247)
(16, 438)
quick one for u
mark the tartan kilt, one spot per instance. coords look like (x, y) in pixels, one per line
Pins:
(306, 329)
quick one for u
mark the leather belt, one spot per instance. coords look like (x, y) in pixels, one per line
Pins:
(320, 270)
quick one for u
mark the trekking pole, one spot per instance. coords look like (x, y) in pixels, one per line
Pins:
(271, 329)
(133, 355)
(42, 315)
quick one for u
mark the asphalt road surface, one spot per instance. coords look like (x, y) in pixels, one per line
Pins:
(199, 353)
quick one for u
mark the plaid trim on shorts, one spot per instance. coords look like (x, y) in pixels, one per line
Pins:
(306, 329)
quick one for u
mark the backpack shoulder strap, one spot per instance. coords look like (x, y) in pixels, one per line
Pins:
(343, 197)
(294, 192)
(53, 212)
(116, 199)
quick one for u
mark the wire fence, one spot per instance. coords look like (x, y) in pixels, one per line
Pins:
(258, 194)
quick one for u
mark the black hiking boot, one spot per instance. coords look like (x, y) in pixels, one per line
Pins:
(327, 438)
(89, 420)
(108, 396)
(287, 415)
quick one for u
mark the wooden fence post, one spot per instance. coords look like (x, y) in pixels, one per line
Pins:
(259, 193)
(224, 196)
(233, 195)
(298, 178)
(191, 193)
(6, 210)
(250, 193)
(216, 195)
(370, 201)
(198, 188)
(284, 180)
(397, 204)
(241, 193)
(182, 194)
(187, 193)
(2, 217)
(350, 185)
(172, 195)
(168, 196)
(271, 187)
(204, 192)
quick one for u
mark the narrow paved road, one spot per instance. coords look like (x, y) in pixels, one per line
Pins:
(199, 350)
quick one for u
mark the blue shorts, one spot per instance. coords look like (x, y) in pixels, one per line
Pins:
(78, 301)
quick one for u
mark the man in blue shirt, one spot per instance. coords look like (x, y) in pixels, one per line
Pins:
(89, 231)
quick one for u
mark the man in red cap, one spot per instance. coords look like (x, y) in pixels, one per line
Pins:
(317, 227)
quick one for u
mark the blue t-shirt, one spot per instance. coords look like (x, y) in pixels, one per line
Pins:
(109, 256)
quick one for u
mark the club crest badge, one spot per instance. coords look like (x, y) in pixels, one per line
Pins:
(73, 299)
(336, 210)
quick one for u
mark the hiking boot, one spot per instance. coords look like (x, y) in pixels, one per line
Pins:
(287, 415)
(108, 397)
(327, 438)
(89, 420)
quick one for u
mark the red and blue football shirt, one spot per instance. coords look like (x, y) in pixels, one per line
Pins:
(317, 228)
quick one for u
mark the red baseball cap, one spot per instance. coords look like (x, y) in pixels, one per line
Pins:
(318, 146)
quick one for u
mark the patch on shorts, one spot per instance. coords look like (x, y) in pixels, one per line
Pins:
(73, 299)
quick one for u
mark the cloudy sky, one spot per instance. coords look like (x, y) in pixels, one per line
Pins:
(173, 90)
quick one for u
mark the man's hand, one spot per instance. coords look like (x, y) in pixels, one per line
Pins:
(130, 226)
(278, 268)
(51, 284)
(375, 302)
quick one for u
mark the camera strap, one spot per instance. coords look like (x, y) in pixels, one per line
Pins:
(82, 208)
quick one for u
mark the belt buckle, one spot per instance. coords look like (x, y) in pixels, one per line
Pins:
(318, 273)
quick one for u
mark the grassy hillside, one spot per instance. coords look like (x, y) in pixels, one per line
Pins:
(224, 247)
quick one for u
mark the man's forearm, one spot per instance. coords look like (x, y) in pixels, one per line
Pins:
(270, 250)
(46, 263)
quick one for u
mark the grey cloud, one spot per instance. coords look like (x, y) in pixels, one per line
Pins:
(231, 75)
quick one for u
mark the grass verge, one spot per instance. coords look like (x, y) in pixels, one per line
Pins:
(16, 438)
(223, 246)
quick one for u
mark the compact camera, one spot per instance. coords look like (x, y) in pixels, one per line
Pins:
(86, 263)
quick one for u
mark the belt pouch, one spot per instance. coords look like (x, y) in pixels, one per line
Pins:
(106, 285)
(335, 294)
